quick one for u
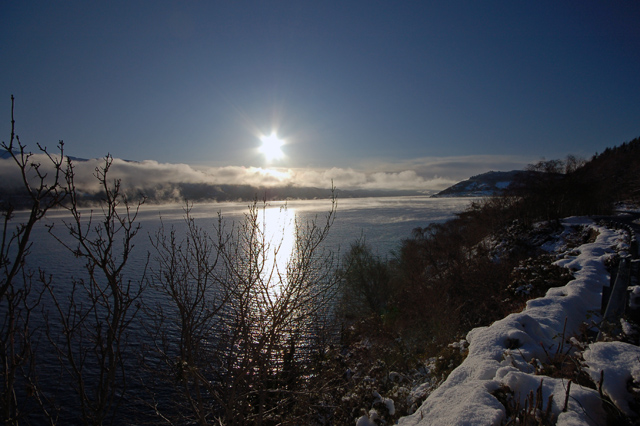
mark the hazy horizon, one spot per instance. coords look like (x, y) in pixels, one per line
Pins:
(150, 174)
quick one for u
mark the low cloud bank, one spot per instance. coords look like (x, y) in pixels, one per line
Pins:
(170, 181)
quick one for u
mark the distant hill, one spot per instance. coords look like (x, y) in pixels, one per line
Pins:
(483, 185)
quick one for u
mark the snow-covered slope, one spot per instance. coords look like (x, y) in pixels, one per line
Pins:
(505, 355)
(483, 185)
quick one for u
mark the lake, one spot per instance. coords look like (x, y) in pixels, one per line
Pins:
(382, 222)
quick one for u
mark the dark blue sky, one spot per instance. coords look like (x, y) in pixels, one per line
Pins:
(383, 85)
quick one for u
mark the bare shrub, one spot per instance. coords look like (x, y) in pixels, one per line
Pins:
(20, 392)
(184, 336)
(89, 332)
(250, 327)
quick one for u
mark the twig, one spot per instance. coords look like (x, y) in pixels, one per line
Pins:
(600, 383)
(566, 398)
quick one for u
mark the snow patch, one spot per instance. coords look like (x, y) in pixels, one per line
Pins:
(620, 363)
(505, 353)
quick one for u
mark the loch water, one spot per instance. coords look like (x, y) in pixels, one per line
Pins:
(381, 222)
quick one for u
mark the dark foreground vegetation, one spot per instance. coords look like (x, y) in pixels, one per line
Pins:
(232, 338)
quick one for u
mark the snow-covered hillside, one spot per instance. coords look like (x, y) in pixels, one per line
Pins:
(505, 359)
(483, 185)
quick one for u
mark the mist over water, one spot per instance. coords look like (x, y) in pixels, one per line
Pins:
(383, 222)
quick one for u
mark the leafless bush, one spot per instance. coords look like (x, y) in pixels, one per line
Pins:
(185, 273)
(20, 392)
(89, 326)
(241, 346)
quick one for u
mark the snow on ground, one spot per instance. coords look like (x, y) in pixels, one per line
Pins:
(506, 353)
(619, 363)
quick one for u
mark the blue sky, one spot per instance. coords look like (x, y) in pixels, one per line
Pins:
(443, 90)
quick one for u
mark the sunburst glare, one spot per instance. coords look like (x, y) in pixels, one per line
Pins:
(271, 147)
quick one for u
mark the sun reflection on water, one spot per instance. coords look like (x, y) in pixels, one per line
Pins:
(278, 226)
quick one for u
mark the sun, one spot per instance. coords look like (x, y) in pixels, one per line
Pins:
(271, 147)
